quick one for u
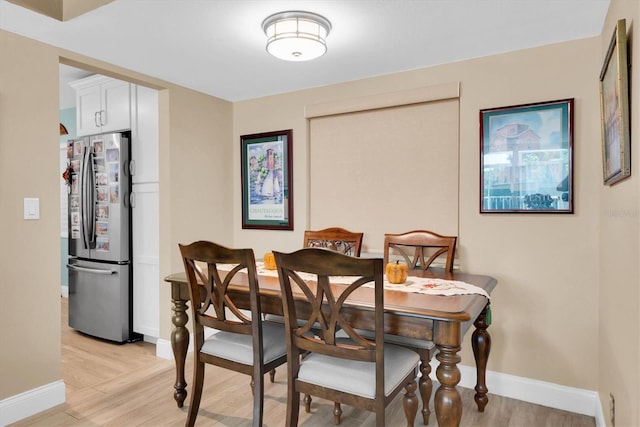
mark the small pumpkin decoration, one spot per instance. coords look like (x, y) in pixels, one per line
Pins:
(396, 272)
(269, 261)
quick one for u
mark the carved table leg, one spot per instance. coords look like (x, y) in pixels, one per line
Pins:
(448, 402)
(179, 344)
(481, 343)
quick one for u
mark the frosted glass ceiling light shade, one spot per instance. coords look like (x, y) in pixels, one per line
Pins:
(296, 36)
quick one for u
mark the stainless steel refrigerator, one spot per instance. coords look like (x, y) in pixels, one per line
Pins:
(100, 276)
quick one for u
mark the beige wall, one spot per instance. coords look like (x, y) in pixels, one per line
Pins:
(195, 188)
(195, 148)
(30, 268)
(539, 328)
(619, 232)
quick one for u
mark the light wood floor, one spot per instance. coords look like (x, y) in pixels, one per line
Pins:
(126, 385)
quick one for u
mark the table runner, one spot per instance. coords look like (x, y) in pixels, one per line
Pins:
(429, 286)
(418, 285)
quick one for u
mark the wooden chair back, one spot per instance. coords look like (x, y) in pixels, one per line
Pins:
(326, 301)
(334, 238)
(211, 305)
(306, 281)
(420, 248)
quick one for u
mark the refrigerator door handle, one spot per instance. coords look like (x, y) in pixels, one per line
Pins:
(91, 190)
(83, 192)
(90, 270)
(88, 200)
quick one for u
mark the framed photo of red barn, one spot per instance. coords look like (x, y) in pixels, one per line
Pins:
(526, 158)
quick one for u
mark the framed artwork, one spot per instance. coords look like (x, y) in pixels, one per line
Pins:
(614, 108)
(267, 184)
(526, 158)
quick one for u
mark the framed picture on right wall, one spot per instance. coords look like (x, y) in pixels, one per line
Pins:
(614, 108)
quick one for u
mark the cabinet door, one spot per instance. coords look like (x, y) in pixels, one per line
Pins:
(144, 127)
(146, 260)
(88, 105)
(115, 113)
(102, 107)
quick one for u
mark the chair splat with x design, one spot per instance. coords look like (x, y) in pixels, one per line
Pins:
(323, 345)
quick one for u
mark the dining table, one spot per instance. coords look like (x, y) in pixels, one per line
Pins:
(421, 313)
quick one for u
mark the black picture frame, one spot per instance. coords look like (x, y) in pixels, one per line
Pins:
(267, 183)
(526, 158)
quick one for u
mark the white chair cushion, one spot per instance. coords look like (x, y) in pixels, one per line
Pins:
(409, 342)
(274, 318)
(280, 319)
(396, 339)
(356, 377)
(239, 348)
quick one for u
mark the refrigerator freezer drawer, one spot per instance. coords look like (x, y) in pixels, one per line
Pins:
(100, 299)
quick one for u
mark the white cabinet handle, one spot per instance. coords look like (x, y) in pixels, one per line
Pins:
(95, 119)
(102, 114)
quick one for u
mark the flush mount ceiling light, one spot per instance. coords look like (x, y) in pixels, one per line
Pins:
(296, 35)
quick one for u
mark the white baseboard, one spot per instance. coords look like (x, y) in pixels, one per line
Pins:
(576, 400)
(164, 350)
(600, 420)
(31, 402)
(152, 339)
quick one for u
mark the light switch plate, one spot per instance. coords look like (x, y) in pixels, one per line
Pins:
(31, 208)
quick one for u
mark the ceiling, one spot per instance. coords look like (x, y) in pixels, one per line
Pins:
(218, 47)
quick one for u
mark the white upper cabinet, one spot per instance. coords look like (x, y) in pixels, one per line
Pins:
(103, 104)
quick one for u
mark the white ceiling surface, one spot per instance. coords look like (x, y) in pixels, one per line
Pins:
(218, 46)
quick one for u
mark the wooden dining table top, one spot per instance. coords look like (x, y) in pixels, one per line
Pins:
(458, 308)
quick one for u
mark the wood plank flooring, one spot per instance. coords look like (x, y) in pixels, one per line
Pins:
(126, 385)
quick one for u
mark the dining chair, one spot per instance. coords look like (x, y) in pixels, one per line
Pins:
(242, 343)
(353, 370)
(419, 249)
(334, 238)
(415, 246)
